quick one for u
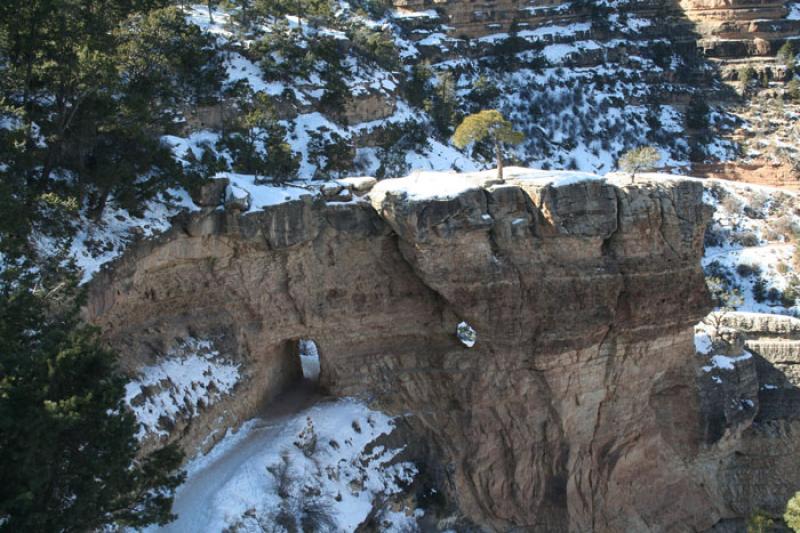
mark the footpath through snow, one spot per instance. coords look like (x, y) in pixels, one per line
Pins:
(307, 456)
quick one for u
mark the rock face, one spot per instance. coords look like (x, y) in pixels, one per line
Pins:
(722, 28)
(761, 172)
(751, 414)
(577, 409)
(740, 28)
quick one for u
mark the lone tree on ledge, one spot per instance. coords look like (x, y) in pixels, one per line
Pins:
(488, 124)
(639, 159)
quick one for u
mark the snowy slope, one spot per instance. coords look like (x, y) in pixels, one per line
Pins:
(751, 244)
(574, 117)
(187, 379)
(335, 468)
(97, 242)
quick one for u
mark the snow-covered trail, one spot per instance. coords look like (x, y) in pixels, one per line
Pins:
(195, 499)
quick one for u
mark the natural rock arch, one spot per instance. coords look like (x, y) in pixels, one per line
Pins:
(548, 421)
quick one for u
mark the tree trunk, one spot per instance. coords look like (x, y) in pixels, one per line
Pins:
(210, 13)
(499, 154)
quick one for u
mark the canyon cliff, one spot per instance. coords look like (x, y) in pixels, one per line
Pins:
(580, 407)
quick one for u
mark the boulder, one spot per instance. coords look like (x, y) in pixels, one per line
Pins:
(236, 198)
(212, 193)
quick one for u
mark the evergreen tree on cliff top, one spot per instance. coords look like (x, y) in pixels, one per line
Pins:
(68, 455)
(488, 125)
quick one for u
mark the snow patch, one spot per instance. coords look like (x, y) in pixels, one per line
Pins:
(309, 359)
(702, 343)
(97, 242)
(263, 195)
(331, 461)
(187, 379)
(424, 185)
(428, 185)
(403, 14)
(725, 362)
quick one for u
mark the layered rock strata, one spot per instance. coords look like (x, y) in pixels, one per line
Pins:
(722, 28)
(750, 408)
(577, 409)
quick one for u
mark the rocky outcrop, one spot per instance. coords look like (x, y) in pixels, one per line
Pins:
(761, 172)
(741, 28)
(576, 409)
(775, 339)
(750, 411)
(721, 28)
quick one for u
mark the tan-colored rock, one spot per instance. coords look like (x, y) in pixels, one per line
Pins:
(577, 409)
(236, 198)
(212, 194)
(360, 185)
(760, 171)
(727, 28)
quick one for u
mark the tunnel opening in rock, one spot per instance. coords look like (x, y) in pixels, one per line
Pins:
(308, 352)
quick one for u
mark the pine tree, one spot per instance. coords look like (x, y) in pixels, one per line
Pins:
(760, 290)
(94, 84)
(697, 113)
(257, 141)
(490, 125)
(443, 104)
(416, 87)
(787, 55)
(68, 455)
(639, 159)
(332, 154)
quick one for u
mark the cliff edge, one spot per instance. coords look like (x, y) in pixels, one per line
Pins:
(577, 408)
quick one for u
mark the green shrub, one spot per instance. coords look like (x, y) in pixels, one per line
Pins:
(697, 113)
(760, 290)
(792, 514)
(787, 55)
(332, 154)
(256, 141)
(746, 270)
(745, 238)
(746, 74)
(759, 522)
(793, 90)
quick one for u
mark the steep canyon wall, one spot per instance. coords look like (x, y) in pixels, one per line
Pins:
(578, 408)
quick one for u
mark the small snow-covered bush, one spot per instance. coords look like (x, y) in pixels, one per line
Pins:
(307, 439)
(301, 507)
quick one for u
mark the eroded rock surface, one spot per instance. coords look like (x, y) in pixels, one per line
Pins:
(750, 407)
(576, 409)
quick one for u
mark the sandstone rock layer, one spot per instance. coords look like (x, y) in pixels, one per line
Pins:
(576, 410)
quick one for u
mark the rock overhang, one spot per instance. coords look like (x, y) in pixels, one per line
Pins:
(561, 275)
